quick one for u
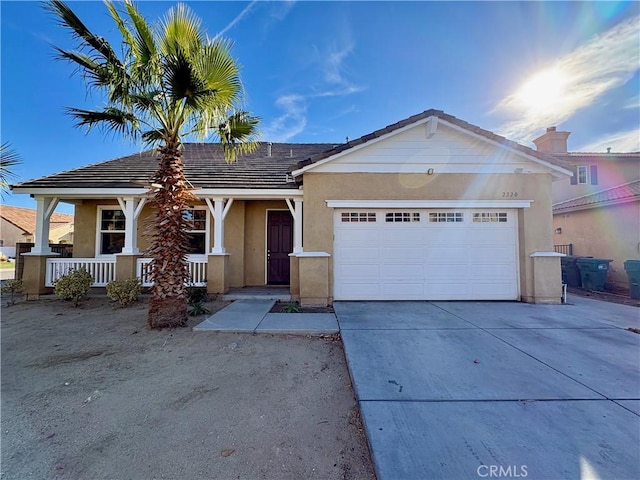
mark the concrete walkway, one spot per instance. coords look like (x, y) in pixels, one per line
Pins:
(469, 390)
(244, 316)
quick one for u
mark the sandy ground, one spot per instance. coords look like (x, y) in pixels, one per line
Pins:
(91, 393)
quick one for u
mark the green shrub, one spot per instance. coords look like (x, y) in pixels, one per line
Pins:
(196, 309)
(125, 292)
(12, 288)
(74, 286)
(291, 307)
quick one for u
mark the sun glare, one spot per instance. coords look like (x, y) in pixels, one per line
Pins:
(543, 91)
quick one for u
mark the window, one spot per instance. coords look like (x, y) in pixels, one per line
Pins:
(402, 217)
(358, 217)
(111, 235)
(583, 175)
(196, 230)
(448, 217)
(490, 217)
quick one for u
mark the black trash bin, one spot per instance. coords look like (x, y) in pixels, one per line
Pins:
(593, 272)
(632, 267)
(570, 271)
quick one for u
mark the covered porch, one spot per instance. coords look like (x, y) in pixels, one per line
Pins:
(239, 238)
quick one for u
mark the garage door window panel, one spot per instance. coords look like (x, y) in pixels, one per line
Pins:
(402, 217)
(446, 217)
(490, 217)
(358, 217)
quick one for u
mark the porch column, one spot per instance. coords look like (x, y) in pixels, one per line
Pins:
(44, 208)
(296, 212)
(131, 207)
(219, 207)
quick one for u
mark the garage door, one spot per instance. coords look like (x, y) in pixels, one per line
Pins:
(425, 254)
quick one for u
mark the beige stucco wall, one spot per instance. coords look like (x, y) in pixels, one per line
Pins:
(244, 236)
(84, 244)
(234, 243)
(255, 239)
(534, 222)
(607, 232)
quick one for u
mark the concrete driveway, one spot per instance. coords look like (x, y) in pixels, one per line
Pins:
(472, 390)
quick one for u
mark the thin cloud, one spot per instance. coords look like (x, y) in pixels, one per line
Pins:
(575, 81)
(279, 10)
(335, 83)
(239, 17)
(621, 142)
(291, 122)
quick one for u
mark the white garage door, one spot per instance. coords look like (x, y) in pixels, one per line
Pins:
(445, 254)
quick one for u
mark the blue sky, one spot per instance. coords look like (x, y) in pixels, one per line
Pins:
(322, 71)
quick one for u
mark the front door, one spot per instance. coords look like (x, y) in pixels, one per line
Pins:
(279, 246)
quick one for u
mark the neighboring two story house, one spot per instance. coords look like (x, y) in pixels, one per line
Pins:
(597, 210)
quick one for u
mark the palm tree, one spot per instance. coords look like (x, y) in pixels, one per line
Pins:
(169, 82)
(9, 158)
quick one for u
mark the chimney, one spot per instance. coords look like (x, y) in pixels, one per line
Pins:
(552, 141)
(269, 149)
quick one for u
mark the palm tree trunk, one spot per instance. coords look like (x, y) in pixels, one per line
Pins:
(168, 248)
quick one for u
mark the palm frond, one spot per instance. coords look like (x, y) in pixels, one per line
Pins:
(238, 135)
(145, 44)
(153, 137)
(9, 158)
(68, 19)
(111, 119)
(181, 31)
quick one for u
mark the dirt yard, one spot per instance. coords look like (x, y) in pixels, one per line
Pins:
(91, 393)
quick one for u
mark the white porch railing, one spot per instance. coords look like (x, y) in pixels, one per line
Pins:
(197, 271)
(103, 271)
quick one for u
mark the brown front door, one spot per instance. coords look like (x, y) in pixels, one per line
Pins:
(279, 246)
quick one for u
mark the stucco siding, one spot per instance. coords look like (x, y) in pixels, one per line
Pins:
(255, 240)
(234, 225)
(84, 245)
(611, 232)
(534, 222)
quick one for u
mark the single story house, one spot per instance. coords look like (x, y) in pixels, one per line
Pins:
(597, 210)
(18, 225)
(430, 207)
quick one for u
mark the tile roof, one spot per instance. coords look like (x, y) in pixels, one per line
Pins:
(626, 192)
(25, 218)
(204, 166)
(421, 116)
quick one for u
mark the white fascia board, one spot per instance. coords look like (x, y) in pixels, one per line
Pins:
(83, 192)
(101, 193)
(555, 168)
(429, 203)
(297, 173)
(547, 254)
(244, 193)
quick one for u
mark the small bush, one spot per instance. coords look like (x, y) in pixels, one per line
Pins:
(291, 307)
(125, 292)
(74, 286)
(196, 309)
(12, 288)
(3, 257)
